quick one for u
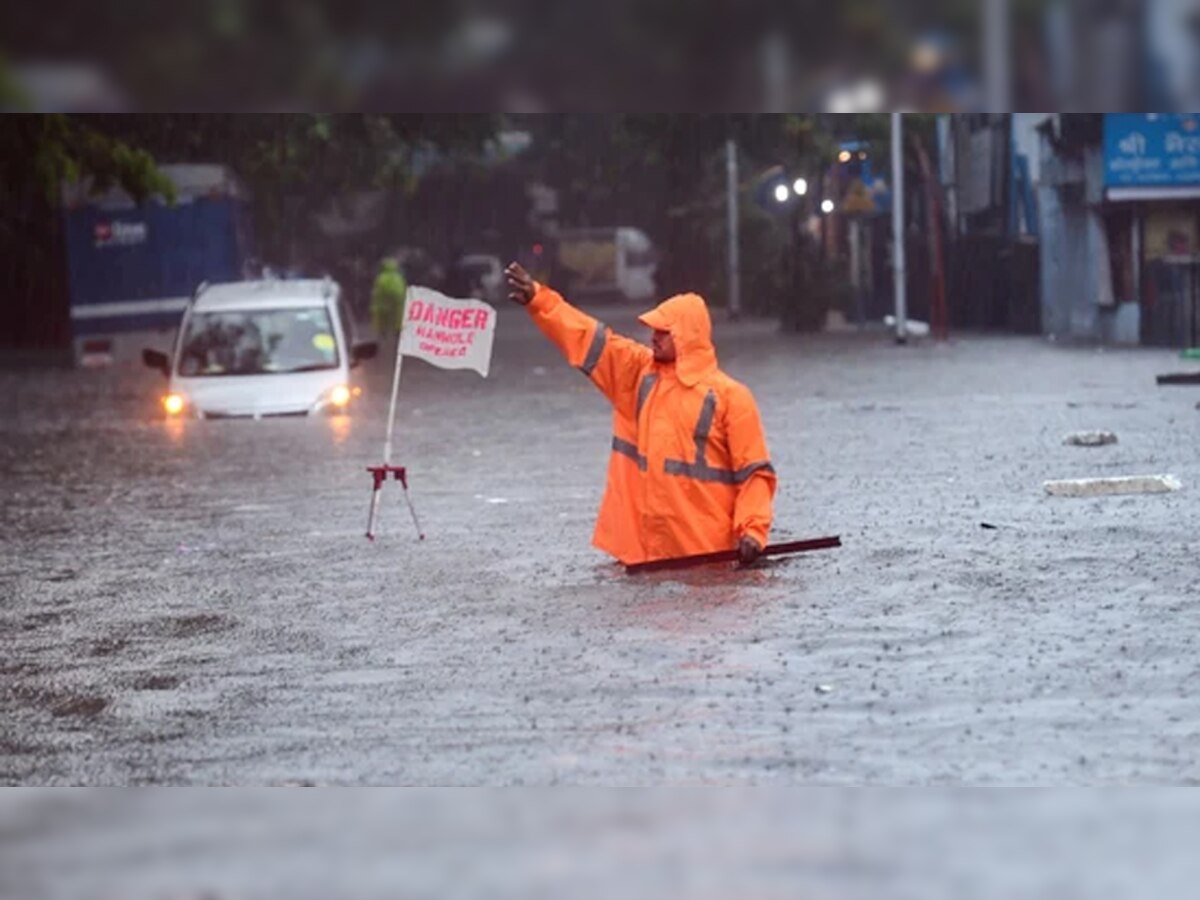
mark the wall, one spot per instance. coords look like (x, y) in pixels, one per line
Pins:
(1026, 139)
(1066, 309)
(1077, 299)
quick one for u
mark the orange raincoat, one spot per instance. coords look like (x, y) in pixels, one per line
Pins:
(689, 471)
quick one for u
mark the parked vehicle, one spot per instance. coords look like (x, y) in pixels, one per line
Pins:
(479, 275)
(262, 348)
(419, 267)
(615, 263)
(132, 268)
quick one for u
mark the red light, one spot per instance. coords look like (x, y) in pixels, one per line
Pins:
(537, 249)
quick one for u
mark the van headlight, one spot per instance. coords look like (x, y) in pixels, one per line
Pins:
(339, 397)
(174, 404)
(334, 400)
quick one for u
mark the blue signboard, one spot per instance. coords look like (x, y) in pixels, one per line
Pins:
(1152, 149)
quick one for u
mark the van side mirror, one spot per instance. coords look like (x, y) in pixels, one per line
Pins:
(157, 360)
(363, 351)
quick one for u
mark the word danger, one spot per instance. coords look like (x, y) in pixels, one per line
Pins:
(443, 331)
(448, 333)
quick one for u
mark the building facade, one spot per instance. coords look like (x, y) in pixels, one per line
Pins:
(1119, 206)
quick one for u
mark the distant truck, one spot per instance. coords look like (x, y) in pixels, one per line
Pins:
(606, 263)
(133, 269)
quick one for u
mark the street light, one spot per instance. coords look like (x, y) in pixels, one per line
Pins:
(781, 193)
(800, 187)
(827, 206)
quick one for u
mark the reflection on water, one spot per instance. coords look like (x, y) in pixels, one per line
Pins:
(174, 426)
(339, 427)
(722, 598)
(719, 574)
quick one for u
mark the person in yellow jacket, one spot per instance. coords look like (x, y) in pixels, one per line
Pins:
(689, 471)
(387, 299)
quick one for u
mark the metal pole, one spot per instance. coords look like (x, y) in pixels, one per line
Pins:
(376, 492)
(856, 268)
(996, 79)
(412, 509)
(731, 190)
(898, 226)
(372, 512)
(1193, 280)
(387, 445)
(1135, 237)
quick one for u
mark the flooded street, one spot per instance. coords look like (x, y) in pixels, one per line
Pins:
(195, 603)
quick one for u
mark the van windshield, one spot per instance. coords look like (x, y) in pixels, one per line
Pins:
(258, 342)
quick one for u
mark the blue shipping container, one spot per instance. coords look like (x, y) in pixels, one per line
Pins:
(134, 267)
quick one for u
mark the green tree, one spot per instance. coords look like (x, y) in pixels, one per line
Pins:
(666, 173)
(295, 163)
(38, 153)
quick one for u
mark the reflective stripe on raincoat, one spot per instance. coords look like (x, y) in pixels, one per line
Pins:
(689, 471)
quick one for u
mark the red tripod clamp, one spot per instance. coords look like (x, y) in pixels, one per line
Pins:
(380, 474)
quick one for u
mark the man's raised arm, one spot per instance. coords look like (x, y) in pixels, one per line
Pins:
(611, 361)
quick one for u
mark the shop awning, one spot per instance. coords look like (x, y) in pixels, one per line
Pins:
(1153, 193)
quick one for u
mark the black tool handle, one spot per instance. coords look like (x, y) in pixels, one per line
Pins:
(700, 559)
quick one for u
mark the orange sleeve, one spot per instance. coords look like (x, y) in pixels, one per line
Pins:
(611, 361)
(753, 473)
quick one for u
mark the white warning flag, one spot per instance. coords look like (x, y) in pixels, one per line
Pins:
(448, 333)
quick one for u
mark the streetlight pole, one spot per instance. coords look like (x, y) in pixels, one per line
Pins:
(793, 191)
(898, 227)
(997, 79)
(731, 190)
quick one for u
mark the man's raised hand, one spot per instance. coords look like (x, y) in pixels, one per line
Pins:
(520, 284)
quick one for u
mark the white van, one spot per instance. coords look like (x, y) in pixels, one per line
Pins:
(261, 348)
(617, 262)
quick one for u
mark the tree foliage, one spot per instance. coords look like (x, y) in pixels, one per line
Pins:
(295, 164)
(43, 151)
(38, 153)
(666, 174)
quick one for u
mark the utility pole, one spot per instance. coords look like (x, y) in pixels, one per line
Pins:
(898, 226)
(997, 79)
(856, 268)
(731, 190)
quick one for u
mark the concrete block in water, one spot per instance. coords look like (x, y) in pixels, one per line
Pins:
(1090, 438)
(1103, 487)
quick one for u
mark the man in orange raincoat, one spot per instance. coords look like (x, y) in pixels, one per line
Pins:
(689, 471)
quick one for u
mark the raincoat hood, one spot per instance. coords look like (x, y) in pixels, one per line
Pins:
(686, 317)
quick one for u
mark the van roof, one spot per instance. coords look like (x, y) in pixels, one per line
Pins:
(266, 294)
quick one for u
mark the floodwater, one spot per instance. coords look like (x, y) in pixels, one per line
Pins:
(195, 603)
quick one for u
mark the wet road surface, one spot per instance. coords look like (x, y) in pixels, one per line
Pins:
(194, 602)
